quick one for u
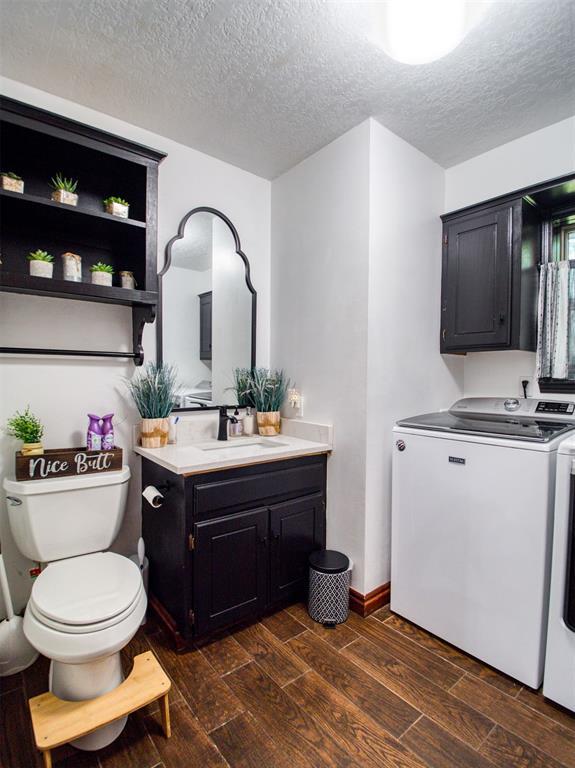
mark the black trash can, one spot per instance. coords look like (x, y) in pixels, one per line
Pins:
(329, 582)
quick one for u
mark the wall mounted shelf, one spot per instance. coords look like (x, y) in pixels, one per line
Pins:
(36, 145)
(7, 198)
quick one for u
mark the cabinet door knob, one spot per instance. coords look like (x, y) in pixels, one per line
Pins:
(264, 540)
(443, 334)
(502, 317)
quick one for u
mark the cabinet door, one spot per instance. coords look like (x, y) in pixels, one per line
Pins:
(297, 528)
(206, 326)
(476, 282)
(230, 569)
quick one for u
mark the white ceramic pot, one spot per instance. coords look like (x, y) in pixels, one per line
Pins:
(41, 268)
(101, 278)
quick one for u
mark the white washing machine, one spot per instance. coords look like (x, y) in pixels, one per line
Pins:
(472, 517)
(559, 681)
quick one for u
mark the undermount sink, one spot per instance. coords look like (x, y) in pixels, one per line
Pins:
(255, 445)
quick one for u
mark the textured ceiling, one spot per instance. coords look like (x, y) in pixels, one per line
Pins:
(264, 83)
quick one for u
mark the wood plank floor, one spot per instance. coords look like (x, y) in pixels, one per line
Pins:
(288, 693)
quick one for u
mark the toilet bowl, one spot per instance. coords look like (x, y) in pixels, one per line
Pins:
(81, 613)
(86, 604)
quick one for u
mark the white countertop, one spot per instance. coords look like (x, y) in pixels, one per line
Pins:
(212, 455)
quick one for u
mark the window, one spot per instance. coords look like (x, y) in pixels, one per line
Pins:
(567, 238)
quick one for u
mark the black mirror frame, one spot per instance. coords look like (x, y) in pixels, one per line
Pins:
(167, 263)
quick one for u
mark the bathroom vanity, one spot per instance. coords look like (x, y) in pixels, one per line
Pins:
(236, 525)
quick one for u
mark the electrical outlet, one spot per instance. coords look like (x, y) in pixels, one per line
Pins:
(529, 380)
(294, 407)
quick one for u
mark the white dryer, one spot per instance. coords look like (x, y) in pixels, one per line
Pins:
(472, 515)
(559, 681)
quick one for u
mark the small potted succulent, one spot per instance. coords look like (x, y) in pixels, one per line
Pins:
(11, 181)
(268, 390)
(117, 207)
(154, 392)
(64, 190)
(41, 263)
(102, 273)
(29, 429)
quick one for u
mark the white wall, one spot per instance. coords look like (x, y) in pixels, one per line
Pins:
(320, 231)
(537, 157)
(61, 392)
(405, 373)
(356, 270)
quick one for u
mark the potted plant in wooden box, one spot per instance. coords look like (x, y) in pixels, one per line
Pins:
(29, 429)
(64, 190)
(154, 392)
(41, 263)
(268, 391)
(101, 273)
(117, 207)
(11, 181)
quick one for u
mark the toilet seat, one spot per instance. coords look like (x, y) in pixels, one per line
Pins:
(85, 594)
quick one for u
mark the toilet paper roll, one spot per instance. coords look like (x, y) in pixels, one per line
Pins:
(152, 496)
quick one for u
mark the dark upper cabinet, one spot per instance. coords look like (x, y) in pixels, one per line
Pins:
(205, 325)
(296, 529)
(230, 569)
(489, 278)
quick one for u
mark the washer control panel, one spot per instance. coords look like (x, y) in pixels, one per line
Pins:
(547, 406)
(515, 407)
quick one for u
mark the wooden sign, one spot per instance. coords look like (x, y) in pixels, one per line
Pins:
(67, 462)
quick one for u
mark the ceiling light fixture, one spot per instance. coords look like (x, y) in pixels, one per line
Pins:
(420, 31)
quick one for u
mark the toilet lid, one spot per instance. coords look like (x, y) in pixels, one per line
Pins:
(88, 589)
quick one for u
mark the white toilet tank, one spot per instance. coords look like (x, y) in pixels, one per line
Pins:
(65, 517)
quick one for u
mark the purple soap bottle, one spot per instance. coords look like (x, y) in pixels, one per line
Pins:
(107, 432)
(94, 441)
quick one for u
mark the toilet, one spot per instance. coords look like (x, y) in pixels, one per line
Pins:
(87, 603)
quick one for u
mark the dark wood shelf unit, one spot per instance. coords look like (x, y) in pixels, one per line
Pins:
(12, 282)
(36, 145)
(67, 209)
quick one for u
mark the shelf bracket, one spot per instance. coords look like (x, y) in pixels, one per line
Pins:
(141, 315)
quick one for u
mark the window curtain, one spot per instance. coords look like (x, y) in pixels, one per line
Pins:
(556, 321)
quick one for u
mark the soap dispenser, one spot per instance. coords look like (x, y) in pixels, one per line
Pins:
(237, 427)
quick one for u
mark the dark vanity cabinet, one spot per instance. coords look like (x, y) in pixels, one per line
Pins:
(205, 325)
(229, 545)
(489, 277)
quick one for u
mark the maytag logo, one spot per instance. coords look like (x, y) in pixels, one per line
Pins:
(456, 460)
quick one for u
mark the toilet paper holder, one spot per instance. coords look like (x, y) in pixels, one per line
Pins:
(154, 494)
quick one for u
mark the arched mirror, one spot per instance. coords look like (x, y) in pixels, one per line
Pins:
(207, 309)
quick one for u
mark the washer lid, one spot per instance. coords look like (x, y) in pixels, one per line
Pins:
(86, 589)
(507, 427)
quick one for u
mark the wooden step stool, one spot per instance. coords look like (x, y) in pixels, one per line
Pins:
(56, 722)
